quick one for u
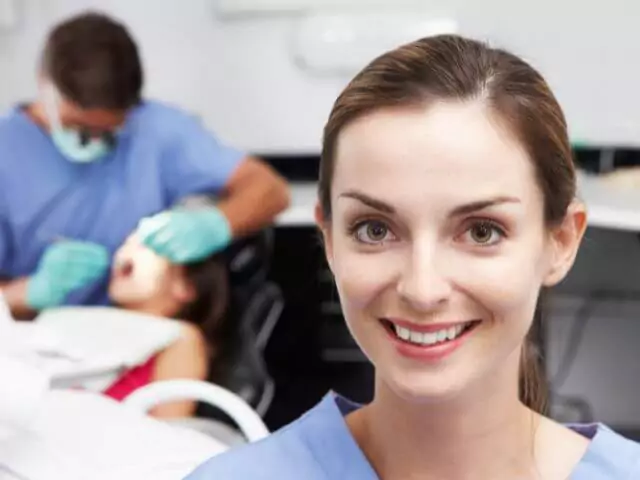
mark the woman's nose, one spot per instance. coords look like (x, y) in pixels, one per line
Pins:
(424, 283)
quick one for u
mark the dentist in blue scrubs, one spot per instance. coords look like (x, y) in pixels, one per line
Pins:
(446, 203)
(90, 157)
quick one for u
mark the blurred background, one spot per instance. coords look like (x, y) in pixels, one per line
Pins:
(263, 75)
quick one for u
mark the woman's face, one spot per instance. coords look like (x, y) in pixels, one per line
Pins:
(438, 246)
(139, 277)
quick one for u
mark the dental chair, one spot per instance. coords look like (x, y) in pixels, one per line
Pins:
(256, 304)
(77, 435)
(60, 427)
(55, 425)
(249, 425)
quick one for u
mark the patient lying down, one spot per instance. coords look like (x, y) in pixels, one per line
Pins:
(195, 294)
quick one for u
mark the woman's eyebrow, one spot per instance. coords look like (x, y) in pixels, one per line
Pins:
(368, 201)
(476, 206)
(465, 209)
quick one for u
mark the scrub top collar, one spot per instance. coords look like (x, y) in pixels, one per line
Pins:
(329, 438)
(343, 458)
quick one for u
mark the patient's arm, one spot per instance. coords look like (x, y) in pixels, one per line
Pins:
(15, 294)
(186, 358)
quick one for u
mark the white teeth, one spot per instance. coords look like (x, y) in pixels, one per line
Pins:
(451, 333)
(403, 333)
(429, 338)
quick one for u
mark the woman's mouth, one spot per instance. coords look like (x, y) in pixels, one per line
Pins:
(429, 338)
(430, 343)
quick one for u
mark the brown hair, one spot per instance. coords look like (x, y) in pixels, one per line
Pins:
(210, 281)
(449, 67)
(94, 62)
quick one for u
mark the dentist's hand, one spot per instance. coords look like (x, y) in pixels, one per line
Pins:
(186, 235)
(64, 267)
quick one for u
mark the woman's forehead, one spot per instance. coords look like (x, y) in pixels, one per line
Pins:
(448, 148)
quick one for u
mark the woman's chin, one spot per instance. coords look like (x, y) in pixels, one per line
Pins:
(425, 388)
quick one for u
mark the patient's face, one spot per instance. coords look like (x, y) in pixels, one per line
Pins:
(139, 277)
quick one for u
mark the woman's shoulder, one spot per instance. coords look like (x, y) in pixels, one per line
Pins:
(610, 455)
(284, 455)
(294, 452)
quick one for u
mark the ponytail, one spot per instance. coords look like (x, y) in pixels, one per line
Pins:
(533, 387)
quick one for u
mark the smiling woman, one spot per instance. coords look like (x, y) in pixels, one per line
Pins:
(446, 203)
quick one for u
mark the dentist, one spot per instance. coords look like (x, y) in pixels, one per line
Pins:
(90, 158)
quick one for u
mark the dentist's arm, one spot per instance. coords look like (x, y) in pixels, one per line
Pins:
(252, 198)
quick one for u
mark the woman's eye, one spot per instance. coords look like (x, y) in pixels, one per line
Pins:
(372, 232)
(485, 233)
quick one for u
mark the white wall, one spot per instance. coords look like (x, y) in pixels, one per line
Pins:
(241, 77)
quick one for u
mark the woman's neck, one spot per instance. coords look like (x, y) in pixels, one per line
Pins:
(489, 435)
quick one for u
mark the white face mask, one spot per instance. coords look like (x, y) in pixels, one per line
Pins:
(69, 141)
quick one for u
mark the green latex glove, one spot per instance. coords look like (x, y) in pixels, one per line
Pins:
(64, 267)
(186, 235)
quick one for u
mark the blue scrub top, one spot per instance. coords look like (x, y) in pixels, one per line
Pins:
(162, 155)
(319, 446)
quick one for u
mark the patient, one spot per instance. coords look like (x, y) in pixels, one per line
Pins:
(194, 294)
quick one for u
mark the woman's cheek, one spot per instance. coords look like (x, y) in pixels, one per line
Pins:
(505, 284)
(361, 276)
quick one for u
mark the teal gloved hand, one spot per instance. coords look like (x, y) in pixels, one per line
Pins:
(64, 267)
(186, 235)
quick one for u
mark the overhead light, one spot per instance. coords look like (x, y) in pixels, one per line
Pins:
(343, 43)
(250, 8)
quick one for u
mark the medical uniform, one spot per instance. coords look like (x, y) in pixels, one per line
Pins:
(162, 155)
(320, 446)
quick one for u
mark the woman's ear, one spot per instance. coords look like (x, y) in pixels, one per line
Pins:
(565, 242)
(324, 226)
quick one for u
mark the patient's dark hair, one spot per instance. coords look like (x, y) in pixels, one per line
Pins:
(210, 280)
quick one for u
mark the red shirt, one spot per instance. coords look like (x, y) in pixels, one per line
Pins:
(132, 380)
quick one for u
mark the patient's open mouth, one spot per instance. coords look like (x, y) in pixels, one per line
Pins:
(125, 268)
